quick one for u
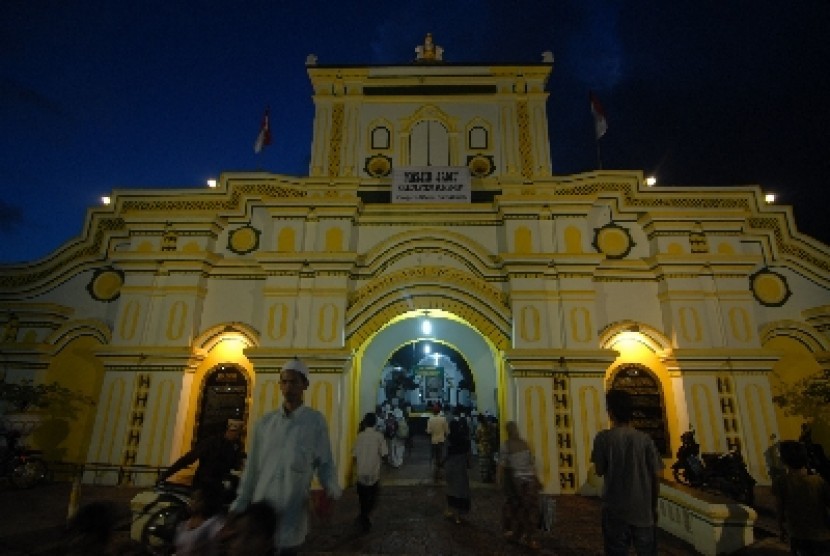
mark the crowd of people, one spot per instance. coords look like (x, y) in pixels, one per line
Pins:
(268, 512)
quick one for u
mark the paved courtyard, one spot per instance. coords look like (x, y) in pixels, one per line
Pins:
(409, 520)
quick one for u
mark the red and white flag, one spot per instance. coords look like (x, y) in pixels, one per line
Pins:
(600, 123)
(264, 137)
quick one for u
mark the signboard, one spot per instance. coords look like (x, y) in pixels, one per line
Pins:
(431, 184)
(433, 380)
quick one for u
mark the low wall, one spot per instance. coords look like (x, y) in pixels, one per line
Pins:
(713, 524)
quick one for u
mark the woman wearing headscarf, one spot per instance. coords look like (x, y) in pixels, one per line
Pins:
(517, 475)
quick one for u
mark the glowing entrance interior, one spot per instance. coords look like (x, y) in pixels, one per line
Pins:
(454, 346)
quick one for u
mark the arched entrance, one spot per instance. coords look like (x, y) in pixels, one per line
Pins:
(223, 397)
(649, 407)
(460, 351)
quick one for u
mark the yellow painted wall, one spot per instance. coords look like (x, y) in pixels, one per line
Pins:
(61, 436)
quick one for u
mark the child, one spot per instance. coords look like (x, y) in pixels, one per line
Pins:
(199, 535)
(802, 501)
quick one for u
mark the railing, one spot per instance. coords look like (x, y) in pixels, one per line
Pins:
(106, 473)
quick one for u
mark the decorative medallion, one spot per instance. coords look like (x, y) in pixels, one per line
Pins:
(480, 165)
(769, 288)
(106, 284)
(243, 240)
(613, 241)
(378, 166)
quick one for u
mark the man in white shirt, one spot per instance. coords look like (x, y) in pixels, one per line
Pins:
(437, 429)
(289, 444)
(369, 449)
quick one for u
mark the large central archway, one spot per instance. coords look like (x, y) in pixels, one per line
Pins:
(480, 354)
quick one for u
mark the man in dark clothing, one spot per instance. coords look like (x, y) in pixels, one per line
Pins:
(217, 456)
(630, 464)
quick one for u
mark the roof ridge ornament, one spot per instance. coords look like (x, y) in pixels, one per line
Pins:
(429, 52)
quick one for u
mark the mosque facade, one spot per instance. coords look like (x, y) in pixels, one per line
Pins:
(430, 198)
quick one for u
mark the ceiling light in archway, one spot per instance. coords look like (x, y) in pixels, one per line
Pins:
(427, 349)
(426, 327)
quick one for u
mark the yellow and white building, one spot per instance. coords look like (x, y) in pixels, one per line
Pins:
(429, 194)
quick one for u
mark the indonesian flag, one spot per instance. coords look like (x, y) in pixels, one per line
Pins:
(600, 123)
(264, 137)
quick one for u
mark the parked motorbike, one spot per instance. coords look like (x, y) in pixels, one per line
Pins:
(165, 507)
(723, 472)
(24, 468)
(158, 520)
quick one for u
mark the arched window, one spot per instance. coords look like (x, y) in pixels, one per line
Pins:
(380, 138)
(649, 408)
(477, 138)
(223, 398)
(429, 144)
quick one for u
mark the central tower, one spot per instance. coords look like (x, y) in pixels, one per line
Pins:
(370, 120)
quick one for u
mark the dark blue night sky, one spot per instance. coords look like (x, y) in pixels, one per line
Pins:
(99, 95)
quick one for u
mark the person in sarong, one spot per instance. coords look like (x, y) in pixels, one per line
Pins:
(517, 476)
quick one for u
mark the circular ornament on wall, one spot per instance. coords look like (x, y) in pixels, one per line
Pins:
(480, 165)
(378, 166)
(106, 284)
(613, 241)
(769, 288)
(243, 240)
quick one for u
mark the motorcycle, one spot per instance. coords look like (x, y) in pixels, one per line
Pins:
(723, 472)
(23, 467)
(155, 524)
(163, 509)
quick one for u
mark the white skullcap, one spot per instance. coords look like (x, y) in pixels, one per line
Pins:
(297, 366)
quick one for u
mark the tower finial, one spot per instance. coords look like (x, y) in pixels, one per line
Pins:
(429, 51)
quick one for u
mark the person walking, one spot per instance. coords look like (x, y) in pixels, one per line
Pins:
(455, 467)
(516, 475)
(369, 450)
(395, 443)
(630, 464)
(288, 445)
(437, 429)
(484, 438)
(802, 503)
(217, 457)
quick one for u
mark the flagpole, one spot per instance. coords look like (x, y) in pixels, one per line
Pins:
(600, 123)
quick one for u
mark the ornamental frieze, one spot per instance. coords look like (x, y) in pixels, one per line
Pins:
(434, 273)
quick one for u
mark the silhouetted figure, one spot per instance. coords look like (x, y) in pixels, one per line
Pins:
(253, 532)
(517, 477)
(217, 457)
(455, 471)
(802, 503)
(630, 463)
(90, 530)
